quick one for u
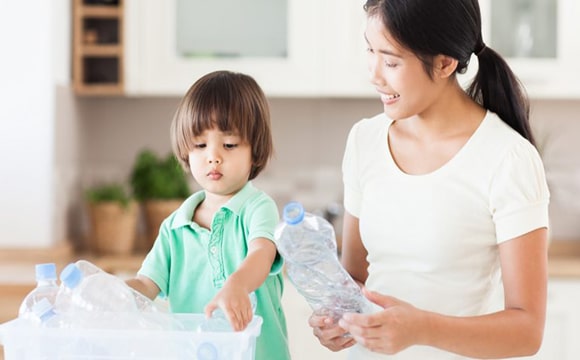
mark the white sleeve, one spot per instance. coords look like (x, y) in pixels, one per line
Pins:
(350, 174)
(519, 193)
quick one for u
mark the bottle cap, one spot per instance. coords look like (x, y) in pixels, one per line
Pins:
(45, 271)
(43, 309)
(293, 213)
(71, 276)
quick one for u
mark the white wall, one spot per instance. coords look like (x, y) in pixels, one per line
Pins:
(27, 118)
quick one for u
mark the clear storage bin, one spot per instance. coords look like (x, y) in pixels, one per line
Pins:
(22, 340)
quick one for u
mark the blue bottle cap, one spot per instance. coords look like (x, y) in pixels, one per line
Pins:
(43, 309)
(293, 213)
(71, 276)
(45, 271)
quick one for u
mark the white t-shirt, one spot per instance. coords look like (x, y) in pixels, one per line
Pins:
(432, 239)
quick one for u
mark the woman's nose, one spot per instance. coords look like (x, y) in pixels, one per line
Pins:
(376, 75)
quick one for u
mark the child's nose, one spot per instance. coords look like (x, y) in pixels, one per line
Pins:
(214, 157)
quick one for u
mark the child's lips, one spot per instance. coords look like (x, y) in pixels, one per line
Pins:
(214, 175)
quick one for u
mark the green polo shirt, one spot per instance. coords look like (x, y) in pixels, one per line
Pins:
(190, 263)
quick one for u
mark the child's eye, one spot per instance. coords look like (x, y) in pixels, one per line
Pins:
(230, 146)
(199, 146)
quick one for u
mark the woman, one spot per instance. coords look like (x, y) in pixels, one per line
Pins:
(445, 196)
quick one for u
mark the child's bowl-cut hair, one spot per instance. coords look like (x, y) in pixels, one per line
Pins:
(230, 102)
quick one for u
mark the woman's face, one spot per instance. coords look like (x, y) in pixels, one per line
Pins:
(398, 75)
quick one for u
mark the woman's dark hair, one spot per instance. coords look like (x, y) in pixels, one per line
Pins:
(227, 101)
(453, 28)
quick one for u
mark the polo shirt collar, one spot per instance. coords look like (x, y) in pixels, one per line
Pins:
(184, 214)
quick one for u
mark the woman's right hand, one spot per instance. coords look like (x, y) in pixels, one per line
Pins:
(329, 333)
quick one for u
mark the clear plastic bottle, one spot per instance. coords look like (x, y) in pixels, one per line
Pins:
(308, 245)
(46, 316)
(46, 288)
(143, 302)
(99, 292)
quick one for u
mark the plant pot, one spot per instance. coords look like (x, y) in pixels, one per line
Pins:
(155, 212)
(113, 227)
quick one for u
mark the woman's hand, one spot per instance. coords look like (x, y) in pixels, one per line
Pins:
(330, 334)
(398, 326)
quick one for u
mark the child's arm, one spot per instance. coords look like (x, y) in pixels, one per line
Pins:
(145, 286)
(233, 298)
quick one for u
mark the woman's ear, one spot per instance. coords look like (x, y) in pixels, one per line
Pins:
(445, 66)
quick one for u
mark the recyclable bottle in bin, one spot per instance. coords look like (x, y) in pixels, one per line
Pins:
(46, 288)
(99, 292)
(102, 300)
(143, 302)
(308, 245)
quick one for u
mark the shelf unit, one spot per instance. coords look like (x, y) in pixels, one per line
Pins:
(98, 57)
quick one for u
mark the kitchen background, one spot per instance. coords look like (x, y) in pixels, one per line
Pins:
(54, 143)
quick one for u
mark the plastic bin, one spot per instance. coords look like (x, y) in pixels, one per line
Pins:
(24, 341)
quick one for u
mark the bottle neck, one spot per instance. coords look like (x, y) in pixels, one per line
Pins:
(44, 283)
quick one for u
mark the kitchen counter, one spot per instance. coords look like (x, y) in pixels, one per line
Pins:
(564, 258)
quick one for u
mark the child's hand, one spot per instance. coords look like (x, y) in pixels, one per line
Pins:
(235, 303)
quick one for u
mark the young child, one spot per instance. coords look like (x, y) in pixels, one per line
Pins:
(219, 245)
(445, 196)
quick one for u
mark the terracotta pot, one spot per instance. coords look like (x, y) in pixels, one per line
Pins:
(155, 212)
(113, 227)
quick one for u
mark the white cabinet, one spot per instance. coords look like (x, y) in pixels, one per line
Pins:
(154, 66)
(325, 50)
(539, 38)
(562, 321)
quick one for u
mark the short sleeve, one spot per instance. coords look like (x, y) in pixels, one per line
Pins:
(519, 195)
(155, 266)
(350, 178)
(261, 224)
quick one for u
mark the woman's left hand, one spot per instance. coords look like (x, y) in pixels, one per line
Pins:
(398, 326)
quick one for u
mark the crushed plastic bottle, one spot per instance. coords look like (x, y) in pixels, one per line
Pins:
(308, 245)
(46, 288)
(102, 300)
(99, 292)
(143, 303)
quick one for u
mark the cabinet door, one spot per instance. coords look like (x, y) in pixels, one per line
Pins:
(155, 67)
(539, 38)
(562, 329)
(562, 322)
(345, 71)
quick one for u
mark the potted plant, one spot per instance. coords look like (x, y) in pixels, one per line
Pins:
(160, 184)
(113, 219)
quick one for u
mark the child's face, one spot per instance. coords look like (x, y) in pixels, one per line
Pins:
(220, 162)
(400, 79)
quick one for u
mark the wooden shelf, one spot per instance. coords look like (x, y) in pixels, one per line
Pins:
(101, 50)
(98, 60)
(100, 11)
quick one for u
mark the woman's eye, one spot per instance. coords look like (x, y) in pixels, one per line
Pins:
(230, 146)
(390, 64)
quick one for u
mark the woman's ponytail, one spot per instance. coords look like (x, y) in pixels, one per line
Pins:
(497, 88)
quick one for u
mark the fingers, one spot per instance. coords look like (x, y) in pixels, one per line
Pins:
(334, 338)
(239, 317)
(383, 301)
(329, 334)
(319, 321)
(209, 309)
